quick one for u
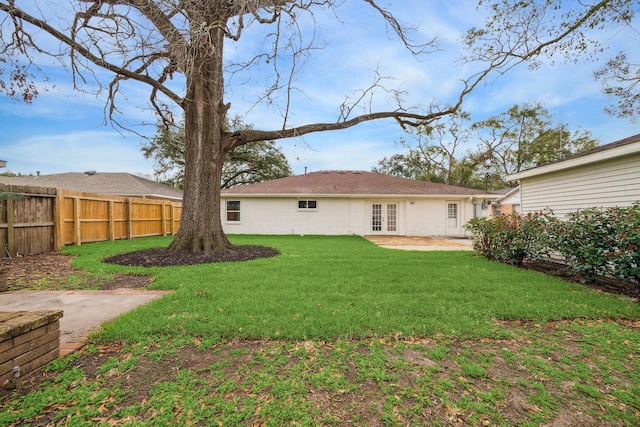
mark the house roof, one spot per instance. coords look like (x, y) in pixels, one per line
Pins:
(622, 147)
(349, 183)
(508, 193)
(111, 183)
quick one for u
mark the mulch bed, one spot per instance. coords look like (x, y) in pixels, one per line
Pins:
(604, 284)
(166, 258)
(51, 270)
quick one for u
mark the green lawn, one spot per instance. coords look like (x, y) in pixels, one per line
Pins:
(339, 332)
(345, 287)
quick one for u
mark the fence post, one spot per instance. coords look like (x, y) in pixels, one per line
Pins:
(58, 221)
(163, 218)
(10, 230)
(76, 220)
(129, 218)
(112, 230)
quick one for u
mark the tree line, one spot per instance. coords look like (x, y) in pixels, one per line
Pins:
(454, 151)
(479, 155)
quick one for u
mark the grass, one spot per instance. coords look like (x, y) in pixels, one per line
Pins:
(337, 331)
(344, 287)
(533, 379)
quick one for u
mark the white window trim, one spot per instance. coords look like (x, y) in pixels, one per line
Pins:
(226, 212)
(308, 209)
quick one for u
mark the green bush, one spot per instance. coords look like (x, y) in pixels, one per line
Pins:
(512, 238)
(594, 242)
(602, 242)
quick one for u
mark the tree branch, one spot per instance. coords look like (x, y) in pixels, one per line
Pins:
(404, 119)
(86, 53)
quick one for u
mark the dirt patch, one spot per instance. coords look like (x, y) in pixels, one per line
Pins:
(370, 386)
(53, 271)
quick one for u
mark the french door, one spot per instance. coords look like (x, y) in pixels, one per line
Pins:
(384, 218)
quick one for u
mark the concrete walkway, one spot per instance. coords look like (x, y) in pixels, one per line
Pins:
(84, 311)
(420, 243)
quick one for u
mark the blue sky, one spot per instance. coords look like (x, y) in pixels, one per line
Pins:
(64, 130)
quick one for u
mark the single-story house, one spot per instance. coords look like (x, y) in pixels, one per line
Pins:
(606, 176)
(507, 203)
(351, 202)
(108, 183)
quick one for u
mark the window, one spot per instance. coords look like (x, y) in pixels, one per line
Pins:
(233, 210)
(452, 215)
(307, 204)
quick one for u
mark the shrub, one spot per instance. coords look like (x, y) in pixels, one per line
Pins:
(602, 242)
(594, 242)
(512, 238)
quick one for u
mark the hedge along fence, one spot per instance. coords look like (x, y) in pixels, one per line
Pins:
(46, 219)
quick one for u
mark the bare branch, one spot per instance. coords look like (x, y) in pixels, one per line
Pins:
(404, 119)
(86, 53)
(404, 32)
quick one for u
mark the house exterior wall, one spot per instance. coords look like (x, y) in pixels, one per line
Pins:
(271, 215)
(614, 182)
(509, 204)
(512, 199)
(343, 216)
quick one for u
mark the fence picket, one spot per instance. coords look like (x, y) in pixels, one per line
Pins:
(47, 219)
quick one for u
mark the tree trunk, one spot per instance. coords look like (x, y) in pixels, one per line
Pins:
(205, 149)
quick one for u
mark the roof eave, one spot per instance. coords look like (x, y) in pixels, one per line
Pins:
(600, 156)
(357, 196)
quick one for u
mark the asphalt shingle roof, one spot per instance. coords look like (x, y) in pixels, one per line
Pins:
(349, 183)
(110, 183)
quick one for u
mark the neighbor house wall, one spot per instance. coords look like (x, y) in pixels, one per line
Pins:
(610, 183)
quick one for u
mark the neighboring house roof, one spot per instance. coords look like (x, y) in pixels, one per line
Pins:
(502, 191)
(350, 183)
(505, 192)
(117, 184)
(510, 193)
(623, 147)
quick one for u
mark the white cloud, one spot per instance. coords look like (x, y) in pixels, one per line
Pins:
(105, 151)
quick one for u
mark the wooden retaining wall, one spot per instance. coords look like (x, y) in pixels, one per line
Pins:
(45, 219)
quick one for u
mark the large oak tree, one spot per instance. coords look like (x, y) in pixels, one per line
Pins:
(152, 41)
(250, 163)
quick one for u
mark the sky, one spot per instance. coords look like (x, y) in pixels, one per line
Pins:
(65, 130)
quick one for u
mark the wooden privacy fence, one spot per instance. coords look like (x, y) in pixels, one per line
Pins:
(27, 224)
(46, 219)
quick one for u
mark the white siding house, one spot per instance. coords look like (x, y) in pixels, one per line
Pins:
(508, 203)
(605, 176)
(350, 202)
